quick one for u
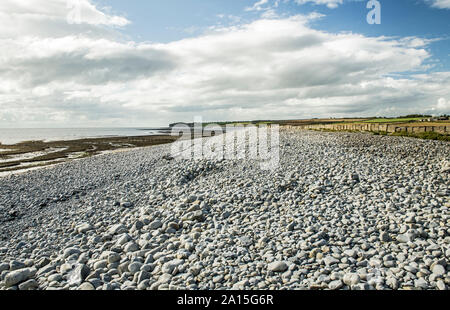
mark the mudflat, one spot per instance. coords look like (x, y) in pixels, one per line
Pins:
(33, 154)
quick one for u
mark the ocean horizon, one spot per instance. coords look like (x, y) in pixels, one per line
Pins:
(9, 136)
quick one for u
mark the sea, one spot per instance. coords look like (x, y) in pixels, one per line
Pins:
(15, 135)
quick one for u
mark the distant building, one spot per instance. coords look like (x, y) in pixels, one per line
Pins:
(437, 118)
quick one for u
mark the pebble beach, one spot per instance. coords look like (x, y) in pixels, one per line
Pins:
(349, 211)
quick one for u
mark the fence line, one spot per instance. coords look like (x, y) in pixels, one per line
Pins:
(389, 128)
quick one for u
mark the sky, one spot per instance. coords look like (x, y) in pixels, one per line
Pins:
(115, 63)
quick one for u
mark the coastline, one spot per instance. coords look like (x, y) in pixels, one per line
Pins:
(31, 155)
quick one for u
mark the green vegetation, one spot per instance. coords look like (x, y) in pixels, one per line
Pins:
(394, 120)
(246, 123)
(316, 121)
(416, 116)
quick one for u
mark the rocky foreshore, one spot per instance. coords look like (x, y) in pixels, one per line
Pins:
(343, 211)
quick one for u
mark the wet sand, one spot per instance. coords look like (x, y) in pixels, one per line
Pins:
(36, 154)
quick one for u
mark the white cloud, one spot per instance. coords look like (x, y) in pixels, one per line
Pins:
(332, 4)
(270, 68)
(50, 18)
(443, 105)
(258, 6)
(440, 4)
(262, 5)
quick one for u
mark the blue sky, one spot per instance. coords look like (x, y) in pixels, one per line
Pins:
(109, 63)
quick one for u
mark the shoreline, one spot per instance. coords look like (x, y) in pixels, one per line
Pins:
(51, 153)
(62, 162)
(12, 136)
(31, 155)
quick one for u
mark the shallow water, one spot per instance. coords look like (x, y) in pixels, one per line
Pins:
(16, 135)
